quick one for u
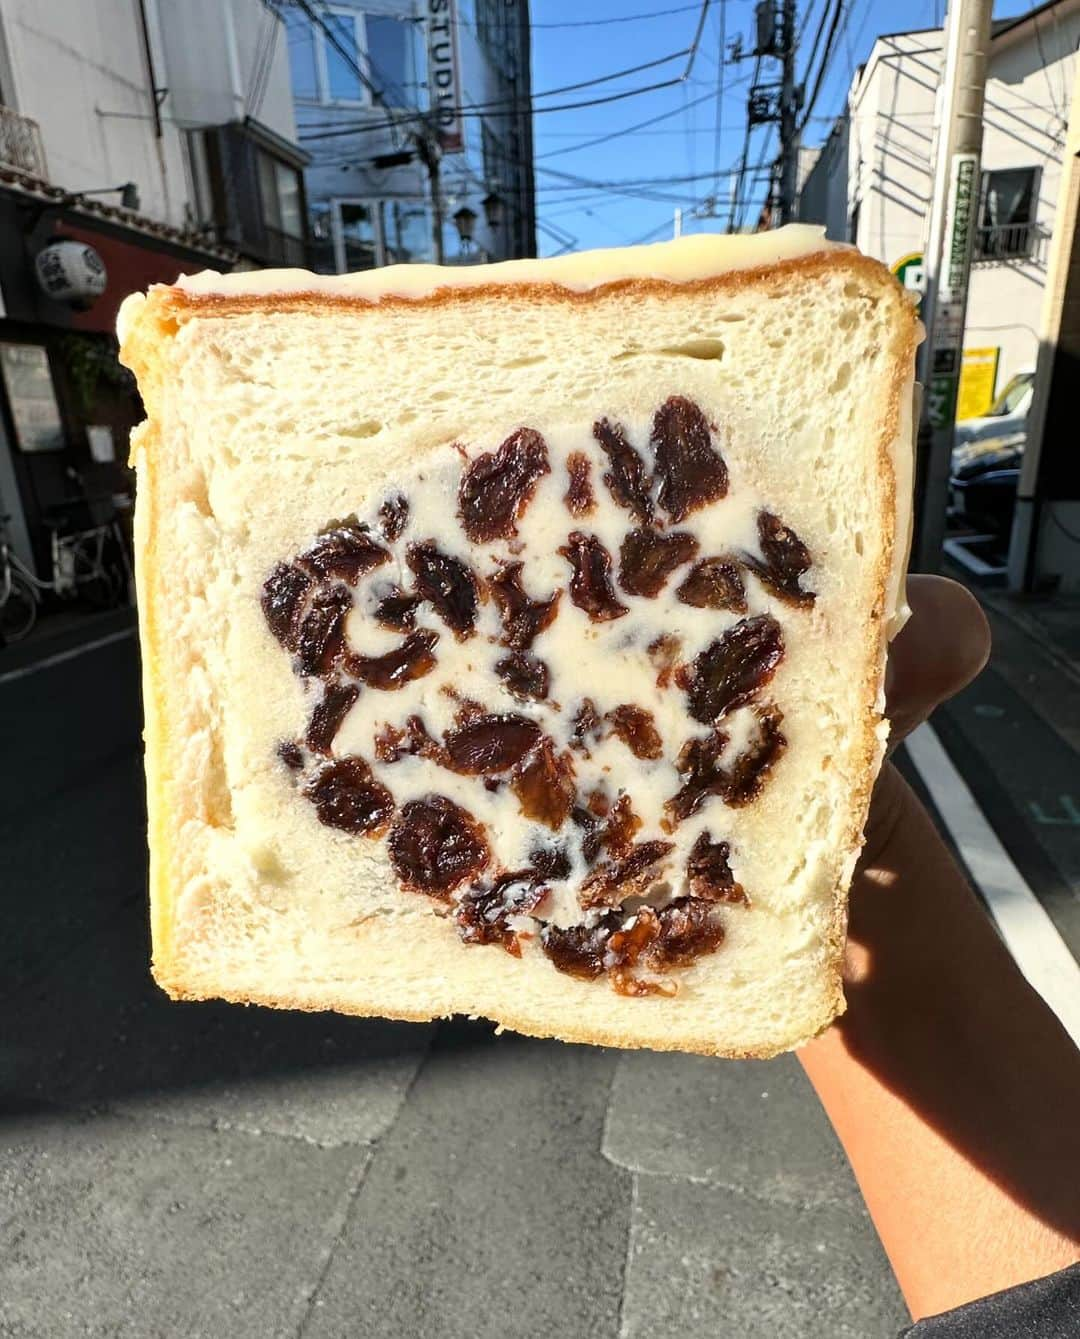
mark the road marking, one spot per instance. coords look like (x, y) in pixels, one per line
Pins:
(58, 659)
(1031, 936)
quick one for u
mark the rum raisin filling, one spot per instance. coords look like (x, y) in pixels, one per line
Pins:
(648, 904)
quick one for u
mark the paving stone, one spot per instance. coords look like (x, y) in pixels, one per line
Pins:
(750, 1124)
(112, 1228)
(713, 1263)
(488, 1211)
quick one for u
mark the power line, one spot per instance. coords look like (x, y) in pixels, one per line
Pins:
(721, 66)
(826, 56)
(745, 154)
(485, 109)
(622, 18)
(626, 130)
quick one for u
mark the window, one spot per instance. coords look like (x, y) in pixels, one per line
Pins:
(406, 228)
(388, 57)
(32, 397)
(202, 194)
(279, 195)
(355, 240)
(339, 58)
(367, 233)
(1007, 214)
(302, 56)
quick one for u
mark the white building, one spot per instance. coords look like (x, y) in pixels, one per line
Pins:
(414, 112)
(872, 181)
(149, 138)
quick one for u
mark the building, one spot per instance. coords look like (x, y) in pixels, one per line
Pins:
(416, 115)
(872, 181)
(139, 139)
(871, 184)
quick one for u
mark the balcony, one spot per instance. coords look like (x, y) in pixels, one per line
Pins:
(21, 145)
(1006, 241)
(283, 248)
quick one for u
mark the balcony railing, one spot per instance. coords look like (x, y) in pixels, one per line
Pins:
(21, 146)
(284, 249)
(1005, 241)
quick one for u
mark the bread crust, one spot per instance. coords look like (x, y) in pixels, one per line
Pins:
(144, 346)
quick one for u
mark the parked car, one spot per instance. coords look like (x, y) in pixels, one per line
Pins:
(1007, 414)
(984, 480)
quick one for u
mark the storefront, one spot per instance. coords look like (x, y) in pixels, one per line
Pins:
(67, 405)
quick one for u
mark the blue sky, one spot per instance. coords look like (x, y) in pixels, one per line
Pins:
(575, 41)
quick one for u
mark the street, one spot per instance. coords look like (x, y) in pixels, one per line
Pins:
(205, 1170)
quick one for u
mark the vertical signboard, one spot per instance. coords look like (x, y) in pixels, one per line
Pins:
(444, 74)
(951, 297)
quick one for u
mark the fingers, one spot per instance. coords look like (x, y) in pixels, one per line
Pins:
(943, 647)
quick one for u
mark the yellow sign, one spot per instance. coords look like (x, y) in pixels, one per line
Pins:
(978, 377)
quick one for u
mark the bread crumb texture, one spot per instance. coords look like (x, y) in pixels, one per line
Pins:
(267, 420)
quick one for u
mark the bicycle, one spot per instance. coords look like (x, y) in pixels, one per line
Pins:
(92, 564)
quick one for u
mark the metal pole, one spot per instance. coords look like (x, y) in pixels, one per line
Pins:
(427, 146)
(678, 223)
(952, 224)
(789, 133)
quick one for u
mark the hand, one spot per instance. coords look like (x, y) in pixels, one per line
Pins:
(944, 645)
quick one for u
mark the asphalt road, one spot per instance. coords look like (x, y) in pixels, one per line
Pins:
(206, 1170)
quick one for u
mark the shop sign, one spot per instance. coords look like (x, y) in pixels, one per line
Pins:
(444, 78)
(978, 379)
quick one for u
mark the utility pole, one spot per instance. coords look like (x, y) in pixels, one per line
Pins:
(771, 101)
(951, 236)
(789, 105)
(427, 147)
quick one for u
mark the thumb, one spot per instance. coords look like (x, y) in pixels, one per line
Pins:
(944, 645)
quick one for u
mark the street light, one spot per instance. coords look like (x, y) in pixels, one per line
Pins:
(465, 223)
(493, 211)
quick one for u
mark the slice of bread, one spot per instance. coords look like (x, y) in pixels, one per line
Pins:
(514, 636)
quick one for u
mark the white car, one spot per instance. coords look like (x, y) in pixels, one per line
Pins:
(1007, 415)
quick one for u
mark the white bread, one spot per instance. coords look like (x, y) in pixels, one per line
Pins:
(279, 403)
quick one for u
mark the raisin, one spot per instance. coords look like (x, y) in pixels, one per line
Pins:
(664, 656)
(579, 949)
(346, 796)
(397, 610)
(714, 583)
(698, 765)
(544, 785)
(636, 728)
(590, 585)
(394, 515)
(709, 874)
(496, 487)
(483, 913)
(752, 766)
(647, 559)
(321, 636)
(619, 827)
(331, 710)
(691, 472)
(468, 709)
(347, 551)
(412, 659)
(732, 669)
(524, 676)
(627, 480)
(579, 497)
(586, 727)
(786, 559)
(550, 862)
(283, 594)
(448, 583)
(523, 619)
(633, 941)
(390, 744)
(491, 743)
(291, 754)
(688, 928)
(627, 876)
(435, 845)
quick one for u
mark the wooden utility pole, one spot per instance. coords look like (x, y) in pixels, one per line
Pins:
(789, 106)
(953, 220)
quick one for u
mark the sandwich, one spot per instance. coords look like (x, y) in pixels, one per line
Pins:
(514, 635)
